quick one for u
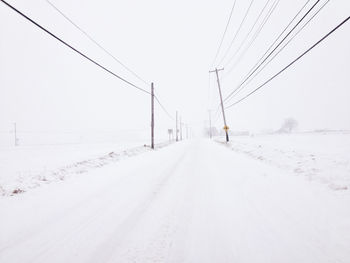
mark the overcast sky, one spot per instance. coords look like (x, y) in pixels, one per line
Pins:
(45, 86)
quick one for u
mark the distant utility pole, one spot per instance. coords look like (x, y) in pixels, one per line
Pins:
(222, 104)
(177, 130)
(152, 116)
(210, 135)
(170, 133)
(180, 129)
(15, 132)
(187, 131)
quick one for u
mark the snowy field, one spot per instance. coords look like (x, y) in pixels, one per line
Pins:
(318, 156)
(44, 158)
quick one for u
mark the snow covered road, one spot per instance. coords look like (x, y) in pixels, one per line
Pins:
(193, 201)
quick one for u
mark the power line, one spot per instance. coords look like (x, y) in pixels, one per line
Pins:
(249, 32)
(223, 36)
(263, 23)
(275, 41)
(163, 108)
(74, 49)
(257, 65)
(96, 43)
(281, 49)
(266, 19)
(290, 64)
(107, 52)
(237, 32)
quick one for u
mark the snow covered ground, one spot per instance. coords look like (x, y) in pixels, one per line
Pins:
(319, 156)
(40, 159)
(193, 201)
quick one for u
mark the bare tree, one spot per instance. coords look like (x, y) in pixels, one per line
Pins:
(288, 125)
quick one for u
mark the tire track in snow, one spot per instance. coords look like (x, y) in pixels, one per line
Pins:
(166, 241)
(110, 245)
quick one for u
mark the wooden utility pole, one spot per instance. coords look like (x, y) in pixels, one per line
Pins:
(152, 116)
(177, 130)
(170, 132)
(222, 104)
(180, 129)
(15, 132)
(210, 134)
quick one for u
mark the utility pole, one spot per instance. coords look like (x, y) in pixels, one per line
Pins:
(177, 130)
(187, 131)
(180, 129)
(152, 116)
(210, 134)
(222, 104)
(15, 132)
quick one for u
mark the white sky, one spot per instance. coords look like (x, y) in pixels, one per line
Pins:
(45, 86)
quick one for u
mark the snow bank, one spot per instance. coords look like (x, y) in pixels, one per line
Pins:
(25, 167)
(322, 157)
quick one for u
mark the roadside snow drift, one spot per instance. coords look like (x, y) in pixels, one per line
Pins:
(320, 157)
(26, 167)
